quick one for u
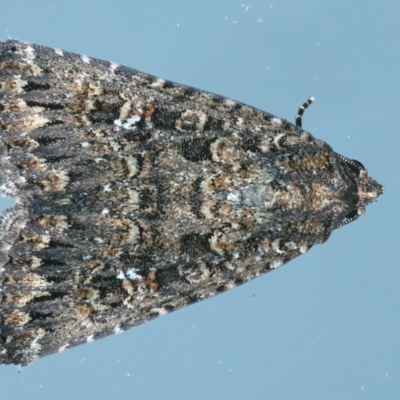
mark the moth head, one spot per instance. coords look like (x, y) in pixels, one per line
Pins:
(363, 189)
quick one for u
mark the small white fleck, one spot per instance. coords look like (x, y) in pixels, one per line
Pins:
(30, 52)
(98, 240)
(234, 197)
(132, 274)
(107, 188)
(121, 275)
(113, 66)
(117, 329)
(85, 144)
(230, 103)
(86, 257)
(105, 211)
(160, 311)
(85, 59)
(62, 348)
(90, 339)
(231, 285)
(276, 121)
(276, 264)
(130, 121)
(303, 248)
(59, 52)
(158, 82)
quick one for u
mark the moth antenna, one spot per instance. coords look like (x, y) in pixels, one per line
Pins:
(302, 108)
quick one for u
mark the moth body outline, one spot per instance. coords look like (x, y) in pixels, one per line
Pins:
(136, 196)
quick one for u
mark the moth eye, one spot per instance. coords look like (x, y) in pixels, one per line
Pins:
(357, 164)
(353, 165)
(355, 170)
(351, 215)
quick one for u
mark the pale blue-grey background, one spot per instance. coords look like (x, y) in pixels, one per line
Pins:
(325, 326)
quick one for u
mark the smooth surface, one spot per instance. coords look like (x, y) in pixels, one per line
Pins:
(326, 325)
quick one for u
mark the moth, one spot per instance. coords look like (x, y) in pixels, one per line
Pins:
(136, 196)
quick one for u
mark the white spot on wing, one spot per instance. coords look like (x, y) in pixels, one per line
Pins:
(229, 102)
(158, 83)
(30, 52)
(132, 274)
(89, 339)
(160, 311)
(85, 59)
(62, 348)
(121, 275)
(276, 264)
(276, 121)
(234, 197)
(113, 66)
(303, 248)
(130, 121)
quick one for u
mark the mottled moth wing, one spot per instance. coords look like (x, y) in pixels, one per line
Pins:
(136, 196)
